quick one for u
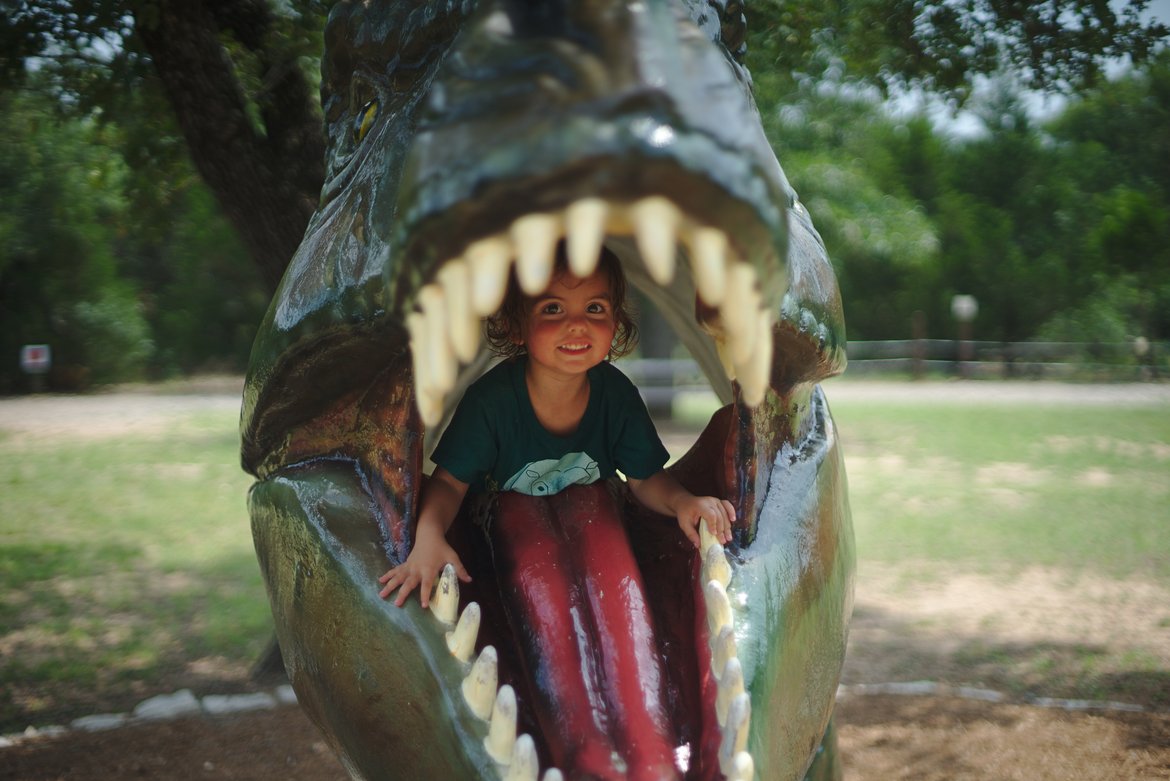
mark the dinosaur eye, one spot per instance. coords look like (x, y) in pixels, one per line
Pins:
(364, 120)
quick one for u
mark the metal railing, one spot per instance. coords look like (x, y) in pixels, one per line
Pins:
(661, 379)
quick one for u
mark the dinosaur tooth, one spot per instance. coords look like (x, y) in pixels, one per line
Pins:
(585, 230)
(743, 768)
(753, 372)
(706, 538)
(524, 765)
(439, 354)
(730, 687)
(535, 236)
(479, 687)
(488, 260)
(501, 737)
(552, 774)
(715, 566)
(428, 399)
(445, 602)
(735, 732)
(656, 223)
(461, 641)
(723, 649)
(737, 312)
(709, 263)
(718, 606)
(455, 279)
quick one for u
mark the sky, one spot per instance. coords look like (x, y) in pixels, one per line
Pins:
(965, 123)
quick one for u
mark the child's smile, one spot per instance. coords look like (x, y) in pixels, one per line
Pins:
(570, 327)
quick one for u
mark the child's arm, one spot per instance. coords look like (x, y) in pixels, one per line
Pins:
(441, 498)
(664, 495)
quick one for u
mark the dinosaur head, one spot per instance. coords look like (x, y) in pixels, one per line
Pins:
(466, 141)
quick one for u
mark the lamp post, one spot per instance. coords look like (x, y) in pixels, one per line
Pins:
(964, 308)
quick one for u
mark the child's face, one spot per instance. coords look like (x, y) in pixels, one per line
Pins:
(569, 328)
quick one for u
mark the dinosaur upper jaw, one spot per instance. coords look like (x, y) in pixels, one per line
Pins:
(690, 268)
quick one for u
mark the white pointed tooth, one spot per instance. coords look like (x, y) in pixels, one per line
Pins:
(440, 354)
(723, 650)
(535, 237)
(445, 601)
(743, 767)
(754, 373)
(715, 566)
(706, 538)
(552, 774)
(709, 259)
(584, 232)
(461, 641)
(730, 687)
(488, 261)
(416, 326)
(501, 735)
(455, 278)
(479, 687)
(735, 732)
(738, 312)
(428, 400)
(724, 351)
(656, 223)
(524, 765)
(718, 607)
(430, 409)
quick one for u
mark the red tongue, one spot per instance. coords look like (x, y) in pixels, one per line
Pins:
(576, 602)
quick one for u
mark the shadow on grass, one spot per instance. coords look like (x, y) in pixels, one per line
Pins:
(884, 647)
(104, 635)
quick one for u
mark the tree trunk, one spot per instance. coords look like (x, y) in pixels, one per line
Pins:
(266, 178)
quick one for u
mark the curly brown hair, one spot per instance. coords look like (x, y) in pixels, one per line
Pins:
(503, 327)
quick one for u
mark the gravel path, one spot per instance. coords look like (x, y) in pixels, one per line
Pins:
(142, 407)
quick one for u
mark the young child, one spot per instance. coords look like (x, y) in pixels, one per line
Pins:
(553, 416)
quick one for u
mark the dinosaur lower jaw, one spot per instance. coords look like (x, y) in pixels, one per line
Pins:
(599, 647)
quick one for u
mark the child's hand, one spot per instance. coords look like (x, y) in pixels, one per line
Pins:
(420, 569)
(719, 514)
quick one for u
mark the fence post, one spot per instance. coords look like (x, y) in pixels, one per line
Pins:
(918, 351)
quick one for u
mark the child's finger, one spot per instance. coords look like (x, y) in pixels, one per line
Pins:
(404, 589)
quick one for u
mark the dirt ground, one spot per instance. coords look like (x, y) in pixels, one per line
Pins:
(882, 738)
(1028, 635)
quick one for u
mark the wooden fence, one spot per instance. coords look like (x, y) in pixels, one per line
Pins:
(660, 379)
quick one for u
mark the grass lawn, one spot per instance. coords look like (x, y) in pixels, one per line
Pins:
(127, 568)
(1002, 487)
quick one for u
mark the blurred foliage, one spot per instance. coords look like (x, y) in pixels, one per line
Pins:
(1057, 227)
(120, 250)
(944, 46)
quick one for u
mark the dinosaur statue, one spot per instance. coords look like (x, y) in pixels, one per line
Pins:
(466, 139)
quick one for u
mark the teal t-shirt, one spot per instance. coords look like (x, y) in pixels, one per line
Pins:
(495, 442)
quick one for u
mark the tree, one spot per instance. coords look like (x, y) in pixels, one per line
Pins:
(60, 215)
(234, 77)
(238, 81)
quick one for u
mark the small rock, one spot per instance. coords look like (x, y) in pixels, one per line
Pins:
(167, 706)
(99, 722)
(220, 704)
(285, 695)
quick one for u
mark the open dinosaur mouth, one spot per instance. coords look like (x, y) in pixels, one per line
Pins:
(696, 722)
(445, 331)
